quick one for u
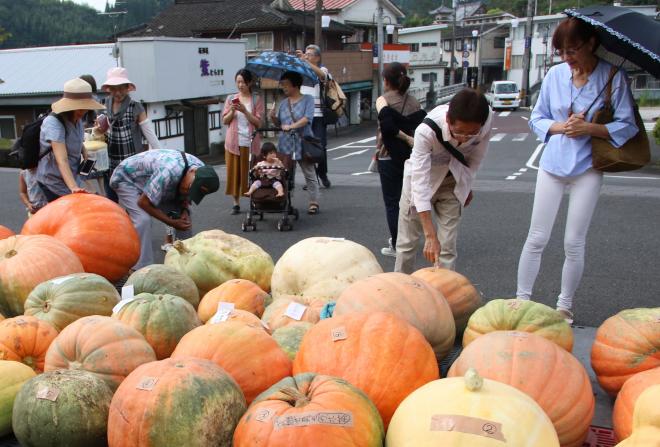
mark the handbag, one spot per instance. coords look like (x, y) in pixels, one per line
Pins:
(633, 154)
(311, 148)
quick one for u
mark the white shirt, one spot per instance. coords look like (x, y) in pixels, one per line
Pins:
(430, 161)
(316, 93)
(244, 139)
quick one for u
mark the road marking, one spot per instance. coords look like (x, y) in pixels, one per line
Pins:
(649, 126)
(520, 137)
(523, 169)
(535, 154)
(507, 113)
(517, 174)
(497, 137)
(367, 140)
(525, 118)
(632, 177)
(362, 173)
(511, 177)
(350, 154)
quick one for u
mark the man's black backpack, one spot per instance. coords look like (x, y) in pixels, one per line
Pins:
(26, 148)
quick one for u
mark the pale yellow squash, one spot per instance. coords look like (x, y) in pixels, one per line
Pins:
(646, 420)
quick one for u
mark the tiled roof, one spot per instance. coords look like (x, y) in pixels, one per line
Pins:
(310, 5)
(44, 70)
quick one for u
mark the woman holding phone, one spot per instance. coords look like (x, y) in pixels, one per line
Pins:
(242, 113)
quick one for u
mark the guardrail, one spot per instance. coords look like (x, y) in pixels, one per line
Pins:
(440, 95)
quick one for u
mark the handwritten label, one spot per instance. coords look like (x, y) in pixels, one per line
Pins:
(336, 418)
(518, 334)
(515, 304)
(222, 314)
(127, 296)
(295, 310)
(48, 393)
(466, 424)
(61, 280)
(147, 383)
(264, 415)
(339, 333)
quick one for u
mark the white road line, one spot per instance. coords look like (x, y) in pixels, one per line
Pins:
(507, 113)
(362, 173)
(511, 177)
(520, 137)
(532, 159)
(632, 177)
(350, 154)
(367, 140)
(525, 118)
(523, 169)
(497, 137)
(517, 174)
(649, 126)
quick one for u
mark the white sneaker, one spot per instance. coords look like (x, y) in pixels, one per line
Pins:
(567, 314)
(166, 247)
(389, 250)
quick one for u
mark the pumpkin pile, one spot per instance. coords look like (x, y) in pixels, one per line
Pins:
(221, 346)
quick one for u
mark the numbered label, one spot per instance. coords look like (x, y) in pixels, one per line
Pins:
(295, 311)
(48, 393)
(339, 333)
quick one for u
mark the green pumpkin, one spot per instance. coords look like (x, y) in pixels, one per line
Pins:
(12, 377)
(67, 408)
(162, 319)
(289, 337)
(160, 279)
(213, 257)
(63, 300)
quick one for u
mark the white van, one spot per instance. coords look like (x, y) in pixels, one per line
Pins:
(504, 95)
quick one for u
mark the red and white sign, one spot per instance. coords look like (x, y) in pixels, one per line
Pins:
(393, 52)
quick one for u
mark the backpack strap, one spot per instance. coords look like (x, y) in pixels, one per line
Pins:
(50, 148)
(458, 155)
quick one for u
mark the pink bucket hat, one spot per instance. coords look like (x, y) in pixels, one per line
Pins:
(117, 76)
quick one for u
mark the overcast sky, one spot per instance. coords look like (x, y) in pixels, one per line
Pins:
(98, 4)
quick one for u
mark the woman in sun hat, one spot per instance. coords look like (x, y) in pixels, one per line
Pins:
(61, 140)
(127, 123)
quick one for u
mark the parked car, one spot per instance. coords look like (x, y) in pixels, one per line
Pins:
(503, 95)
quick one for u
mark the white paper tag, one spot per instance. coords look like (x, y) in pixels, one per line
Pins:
(339, 333)
(48, 393)
(147, 383)
(127, 296)
(61, 280)
(225, 306)
(295, 310)
(222, 314)
(265, 325)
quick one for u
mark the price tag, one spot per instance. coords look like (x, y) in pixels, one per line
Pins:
(264, 415)
(48, 393)
(222, 314)
(147, 383)
(339, 333)
(61, 280)
(295, 310)
(224, 306)
(127, 296)
(515, 304)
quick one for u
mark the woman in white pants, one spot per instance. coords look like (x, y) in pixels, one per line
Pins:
(560, 121)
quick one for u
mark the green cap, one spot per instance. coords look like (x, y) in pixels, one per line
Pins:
(206, 181)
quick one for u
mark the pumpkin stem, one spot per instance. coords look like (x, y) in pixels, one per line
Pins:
(11, 253)
(473, 380)
(299, 399)
(178, 245)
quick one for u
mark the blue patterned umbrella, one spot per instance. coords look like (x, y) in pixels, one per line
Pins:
(273, 64)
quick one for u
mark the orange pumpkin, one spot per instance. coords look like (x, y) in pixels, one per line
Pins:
(273, 418)
(5, 232)
(462, 296)
(26, 339)
(243, 293)
(622, 414)
(248, 354)
(379, 353)
(101, 345)
(276, 316)
(245, 317)
(412, 299)
(26, 262)
(626, 344)
(541, 369)
(95, 228)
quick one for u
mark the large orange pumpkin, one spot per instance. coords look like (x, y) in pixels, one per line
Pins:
(412, 299)
(248, 354)
(541, 369)
(308, 410)
(101, 345)
(95, 228)
(462, 296)
(276, 316)
(626, 344)
(26, 339)
(622, 414)
(5, 232)
(243, 293)
(27, 261)
(379, 353)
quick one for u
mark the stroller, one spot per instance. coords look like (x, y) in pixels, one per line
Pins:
(263, 200)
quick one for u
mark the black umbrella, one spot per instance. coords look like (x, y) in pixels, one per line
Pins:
(625, 32)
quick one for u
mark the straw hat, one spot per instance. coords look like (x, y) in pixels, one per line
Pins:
(77, 96)
(117, 76)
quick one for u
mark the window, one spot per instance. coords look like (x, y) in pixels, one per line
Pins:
(498, 42)
(516, 62)
(414, 47)
(429, 77)
(447, 45)
(539, 60)
(429, 44)
(7, 127)
(459, 45)
(258, 41)
(506, 88)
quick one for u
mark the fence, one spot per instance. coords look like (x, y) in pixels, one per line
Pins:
(440, 95)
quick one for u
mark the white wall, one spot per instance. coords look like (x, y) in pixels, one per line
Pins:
(425, 55)
(364, 11)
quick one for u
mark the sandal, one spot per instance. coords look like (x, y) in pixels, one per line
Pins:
(567, 314)
(313, 208)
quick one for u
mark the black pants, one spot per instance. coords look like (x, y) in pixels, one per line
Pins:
(391, 182)
(320, 132)
(109, 192)
(50, 195)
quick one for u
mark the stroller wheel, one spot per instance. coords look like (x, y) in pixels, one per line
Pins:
(248, 226)
(244, 227)
(295, 213)
(261, 216)
(284, 225)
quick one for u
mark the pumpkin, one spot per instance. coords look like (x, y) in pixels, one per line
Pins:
(625, 344)
(379, 353)
(101, 345)
(62, 408)
(63, 300)
(243, 316)
(159, 279)
(622, 414)
(470, 411)
(321, 267)
(244, 294)
(182, 402)
(463, 298)
(519, 315)
(248, 354)
(213, 257)
(27, 261)
(5, 232)
(289, 337)
(12, 377)
(275, 315)
(646, 420)
(2, 317)
(308, 408)
(26, 339)
(410, 298)
(98, 231)
(539, 368)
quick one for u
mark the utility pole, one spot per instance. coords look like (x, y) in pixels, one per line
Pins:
(464, 69)
(527, 53)
(379, 36)
(452, 66)
(318, 36)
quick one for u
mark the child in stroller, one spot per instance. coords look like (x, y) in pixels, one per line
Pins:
(268, 172)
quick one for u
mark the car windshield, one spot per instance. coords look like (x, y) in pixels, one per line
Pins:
(506, 88)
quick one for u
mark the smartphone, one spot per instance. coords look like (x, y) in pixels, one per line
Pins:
(86, 167)
(235, 101)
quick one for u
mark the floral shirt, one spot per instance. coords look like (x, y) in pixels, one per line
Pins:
(155, 173)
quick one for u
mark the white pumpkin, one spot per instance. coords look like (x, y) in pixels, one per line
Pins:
(646, 420)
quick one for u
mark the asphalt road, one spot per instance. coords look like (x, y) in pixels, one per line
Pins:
(622, 249)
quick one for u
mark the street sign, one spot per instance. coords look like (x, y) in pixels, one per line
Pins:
(466, 64)
(528, 42)
(466, 54)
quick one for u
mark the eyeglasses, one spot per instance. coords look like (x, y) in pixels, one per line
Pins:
(462, 136)
(570, 52)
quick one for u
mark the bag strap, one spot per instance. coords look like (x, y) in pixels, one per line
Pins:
(608, 91)
(458, 155)
(50, 148)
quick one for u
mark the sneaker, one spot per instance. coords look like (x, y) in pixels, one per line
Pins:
(325, 181)
(389, 250)
(166, 247)
(235, 209)
(567, 314)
